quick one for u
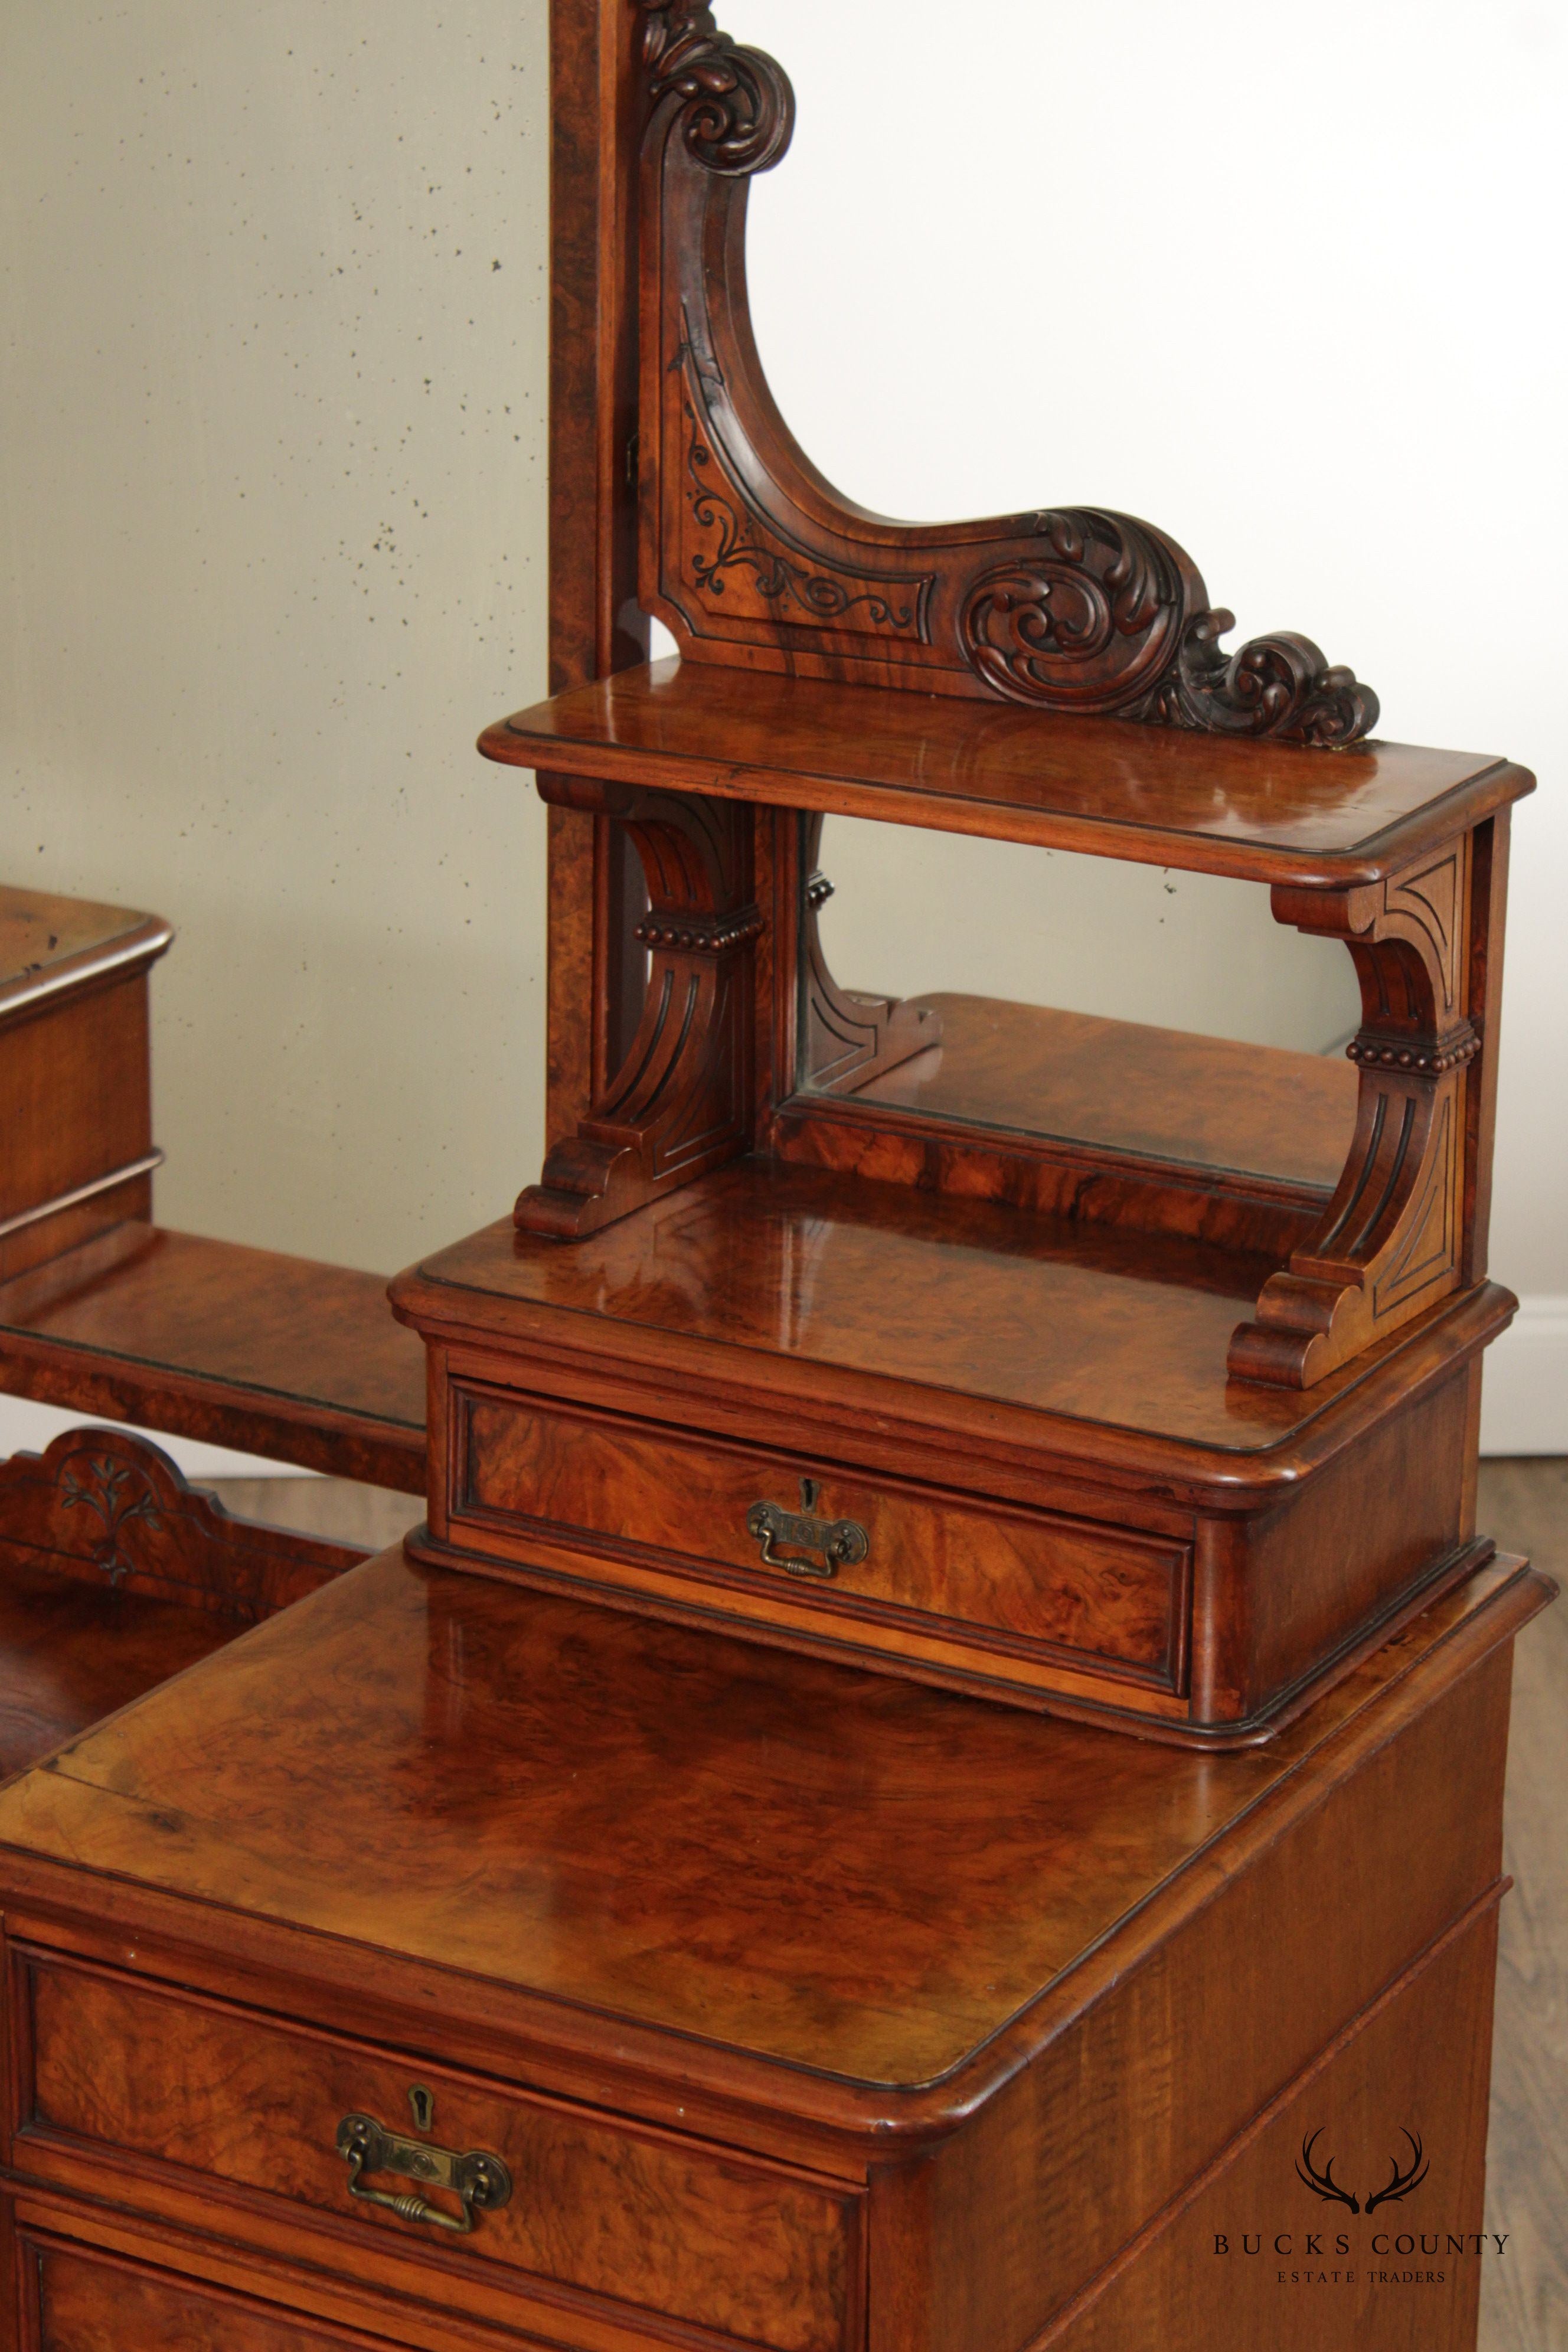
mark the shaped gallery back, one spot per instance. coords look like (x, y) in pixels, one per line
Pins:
(1142, 1383)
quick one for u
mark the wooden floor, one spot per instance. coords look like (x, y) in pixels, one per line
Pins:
(1524, 1505)
(1524, 2302)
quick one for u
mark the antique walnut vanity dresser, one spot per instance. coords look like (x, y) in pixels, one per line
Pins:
(933, 1780)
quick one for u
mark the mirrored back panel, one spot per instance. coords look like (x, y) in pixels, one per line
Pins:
(1030, 993)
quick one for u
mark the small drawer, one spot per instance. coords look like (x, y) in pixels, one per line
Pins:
(891, 1562)
(228, 2100)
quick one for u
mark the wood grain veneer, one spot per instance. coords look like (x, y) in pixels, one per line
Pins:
(115, 1574)
(50, 944)
(805, 1284)
(639, 2218)
(1042, 2004)
(847, 1952)
(248, 1347)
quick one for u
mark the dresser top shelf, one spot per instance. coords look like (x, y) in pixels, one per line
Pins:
(874, 1305)
(1263, 811)
(549, 1816)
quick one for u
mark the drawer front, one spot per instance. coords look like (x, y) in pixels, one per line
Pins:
(78, 2301)
(1005, 1580)
(756, 2251)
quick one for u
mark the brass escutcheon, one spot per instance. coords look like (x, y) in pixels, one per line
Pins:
(840, 1542)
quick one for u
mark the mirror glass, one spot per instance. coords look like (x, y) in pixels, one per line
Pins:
(1053, 1003)
(1155, 259)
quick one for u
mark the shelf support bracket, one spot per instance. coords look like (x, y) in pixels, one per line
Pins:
(681, 1102)
(1390, 1242)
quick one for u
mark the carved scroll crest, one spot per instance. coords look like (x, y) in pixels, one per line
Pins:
(1074, 609)
(738, 107)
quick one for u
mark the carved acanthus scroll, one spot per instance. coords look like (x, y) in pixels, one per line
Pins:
(681, 1102)
(752, 557)
(1388, 1245)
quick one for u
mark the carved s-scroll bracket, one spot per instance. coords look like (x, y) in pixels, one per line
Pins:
(752, 559)
(681, 1102)
(1390, 1242)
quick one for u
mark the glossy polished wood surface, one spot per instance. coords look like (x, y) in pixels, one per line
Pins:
(963, 1299)
(77, 2299)
(272, 1354)
(1208, 1102)
(75, 1118)
(115, 1573)
(48, 943)
(105, 1508)
(1275, 813)
(70, 1654)
(692, 2234)
(843, 1873)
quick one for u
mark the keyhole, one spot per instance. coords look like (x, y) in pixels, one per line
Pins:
(808, 1497)
(423, 2103)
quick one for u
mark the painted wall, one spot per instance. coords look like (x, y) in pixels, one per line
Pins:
(272, 419)
(272, 434)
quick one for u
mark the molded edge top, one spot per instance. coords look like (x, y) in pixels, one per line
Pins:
(616, 1305)
(48, 943)
(1267, 811)
(215, 1864)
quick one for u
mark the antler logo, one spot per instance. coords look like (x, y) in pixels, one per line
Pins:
(1323, 2184)
(1401, 2183)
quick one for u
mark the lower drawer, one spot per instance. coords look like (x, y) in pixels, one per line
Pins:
(80, 2299)
(250, 2111)
(1002, 1588)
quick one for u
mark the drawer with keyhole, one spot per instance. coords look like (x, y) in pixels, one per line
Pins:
(155, 2096)
(922, 1575)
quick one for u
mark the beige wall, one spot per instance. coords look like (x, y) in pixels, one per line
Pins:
(273, 550)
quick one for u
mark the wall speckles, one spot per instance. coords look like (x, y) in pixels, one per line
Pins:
(272, 426)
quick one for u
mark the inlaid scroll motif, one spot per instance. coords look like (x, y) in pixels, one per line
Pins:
(738, 565)
(102, 1507)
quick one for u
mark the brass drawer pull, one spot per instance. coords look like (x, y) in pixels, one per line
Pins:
(478, 2180)
(840, 1542)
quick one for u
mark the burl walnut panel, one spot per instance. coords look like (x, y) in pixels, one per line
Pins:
(1012, 1581)
(633, 2215)
(1063, 1981)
